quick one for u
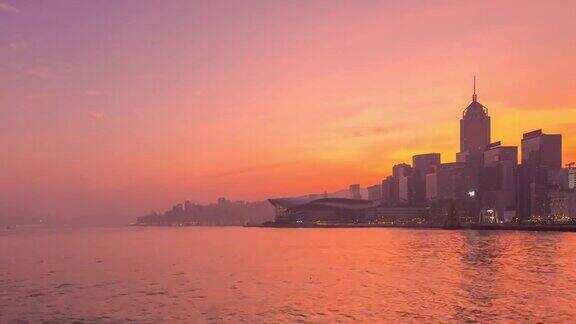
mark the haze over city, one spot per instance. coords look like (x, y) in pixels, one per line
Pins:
(111, 109)
(267, 161)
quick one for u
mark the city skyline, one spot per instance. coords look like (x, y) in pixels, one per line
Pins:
(485, 186)
(274, 161)
(181, 106)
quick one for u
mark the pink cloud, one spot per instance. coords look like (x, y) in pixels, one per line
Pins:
(96, 115)
(4, 7)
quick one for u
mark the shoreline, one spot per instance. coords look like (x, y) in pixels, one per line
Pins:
(525, 228)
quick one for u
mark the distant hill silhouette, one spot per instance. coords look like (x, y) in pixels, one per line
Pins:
(225, 212)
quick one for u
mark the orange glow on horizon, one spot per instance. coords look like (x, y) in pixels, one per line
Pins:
(246, 101)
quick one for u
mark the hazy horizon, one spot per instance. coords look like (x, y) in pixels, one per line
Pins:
(118, 108)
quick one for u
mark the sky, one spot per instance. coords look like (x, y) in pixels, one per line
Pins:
(115, 108)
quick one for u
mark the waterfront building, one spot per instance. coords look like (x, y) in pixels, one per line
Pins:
(541, 149)
(567, 177)
(402, 173)
(188, 206)
(422, 163)
(497, 183)
(445, 181)
(450, 182)
(375, 192)
(178, 208)
(422, 166)
(400, 170)
(406, 189)
(354, 190)
(323, 211)
(541, 163)
(571, 175)
(563, 206)
(389, 190)
(406, 215)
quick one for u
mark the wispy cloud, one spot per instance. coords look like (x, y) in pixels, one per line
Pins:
(92, 92)
(46, 70)
(96, 115)
(18, 46)
(368, 131)
(198, 92)
(250, 169)
(40, 71)
(7, 8)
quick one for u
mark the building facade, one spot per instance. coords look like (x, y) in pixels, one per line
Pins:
(541, 163)
(402, 174)
(497, 183)
(354, 191)
(474, 132)
(375, 192)
(308, 211)
(389, 190)
(422, 165)
(563, 206)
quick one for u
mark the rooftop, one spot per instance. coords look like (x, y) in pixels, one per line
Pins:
(341, 203)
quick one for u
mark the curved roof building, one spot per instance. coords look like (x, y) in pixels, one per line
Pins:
(323, 210)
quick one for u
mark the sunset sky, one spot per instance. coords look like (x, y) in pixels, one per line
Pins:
(115, 108)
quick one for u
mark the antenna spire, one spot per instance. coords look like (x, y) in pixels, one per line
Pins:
(474, 95)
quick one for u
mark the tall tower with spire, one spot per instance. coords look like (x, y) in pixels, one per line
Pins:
(474, 130)
(474, 97)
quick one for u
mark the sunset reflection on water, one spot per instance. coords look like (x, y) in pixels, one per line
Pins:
(270, 275)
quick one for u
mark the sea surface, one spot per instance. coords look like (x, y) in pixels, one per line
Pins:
(257, 275)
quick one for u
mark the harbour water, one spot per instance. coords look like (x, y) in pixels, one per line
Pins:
(233, 274)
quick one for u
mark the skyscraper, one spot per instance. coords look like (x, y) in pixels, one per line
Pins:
(497, 182)
(474, 131)
(423, 164)
(375, 192)
(188, 206)
(390, 191)
(445, 182)
(542, 149)
(402, 174)
(541, 160)
(401, 170)
(474, 138)
(571, 177)
(354, 190)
